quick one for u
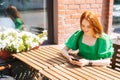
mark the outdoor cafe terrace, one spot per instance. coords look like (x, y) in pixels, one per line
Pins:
(46, 63)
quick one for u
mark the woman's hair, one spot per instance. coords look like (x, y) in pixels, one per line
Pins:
(13, 12)
(94, 22)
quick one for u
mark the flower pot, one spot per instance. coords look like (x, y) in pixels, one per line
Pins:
(35, 48)
(5, 55)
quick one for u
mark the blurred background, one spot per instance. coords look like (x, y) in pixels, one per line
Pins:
(116, 16)
(33, 13)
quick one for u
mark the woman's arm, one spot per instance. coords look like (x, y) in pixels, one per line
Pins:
(84, 62)
(102, 62)
(65, 53)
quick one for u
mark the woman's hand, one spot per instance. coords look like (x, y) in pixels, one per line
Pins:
(73, 61)
(81, 62)
(74, 52)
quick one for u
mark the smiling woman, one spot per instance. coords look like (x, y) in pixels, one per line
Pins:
(89, 41)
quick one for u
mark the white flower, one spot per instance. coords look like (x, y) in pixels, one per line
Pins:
(14, 41)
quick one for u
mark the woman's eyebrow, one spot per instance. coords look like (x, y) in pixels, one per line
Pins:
(86, 25)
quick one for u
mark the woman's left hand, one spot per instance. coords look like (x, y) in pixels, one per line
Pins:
(73, 62)
(81, 62)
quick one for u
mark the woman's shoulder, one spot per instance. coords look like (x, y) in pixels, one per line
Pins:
(73, 39)
(18, 20)
(104, 37)
(78, 32)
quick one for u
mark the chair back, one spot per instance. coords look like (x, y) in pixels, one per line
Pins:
(115, 61)
(5, 77)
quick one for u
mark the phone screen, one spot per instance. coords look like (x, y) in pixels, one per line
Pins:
(75, 59)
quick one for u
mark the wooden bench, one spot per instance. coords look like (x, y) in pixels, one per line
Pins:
(36, 30)
(51, 64)
(115, 62)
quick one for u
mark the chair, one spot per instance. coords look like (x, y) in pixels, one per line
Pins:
(115, 61)
(36, 30)
(4, 67)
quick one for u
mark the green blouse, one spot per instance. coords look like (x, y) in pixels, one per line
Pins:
(18, 24)
(102, 48)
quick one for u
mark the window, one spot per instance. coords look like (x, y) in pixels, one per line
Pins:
(116, 16)
(36, 14)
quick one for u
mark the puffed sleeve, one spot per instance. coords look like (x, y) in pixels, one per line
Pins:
(19, 24)
(72, 42)
(105, 47)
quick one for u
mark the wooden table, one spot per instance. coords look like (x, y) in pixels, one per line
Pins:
(50, 63)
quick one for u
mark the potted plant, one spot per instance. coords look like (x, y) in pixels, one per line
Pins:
(13, 41)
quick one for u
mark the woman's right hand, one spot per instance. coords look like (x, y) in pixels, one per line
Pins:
(70, 58)
(74, 52)
(74, 62)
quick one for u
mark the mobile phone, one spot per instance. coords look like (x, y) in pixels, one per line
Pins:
(75, 59)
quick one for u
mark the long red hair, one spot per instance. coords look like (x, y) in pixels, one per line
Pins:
(94, 22)
(13, 12)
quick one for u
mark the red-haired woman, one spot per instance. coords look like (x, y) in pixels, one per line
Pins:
(15, 16)
(93, 45)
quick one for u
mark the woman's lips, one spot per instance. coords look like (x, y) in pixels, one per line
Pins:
(86, 31)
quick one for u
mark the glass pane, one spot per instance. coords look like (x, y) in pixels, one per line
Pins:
(32, 12)
(116, 16)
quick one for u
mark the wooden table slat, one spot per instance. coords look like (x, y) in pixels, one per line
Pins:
(43, 59)
(93, 76)
(112, 71)
(52, 54)
(27, 62)
(55, 54)
(82, 74)
(33, 61)
(67, 72)
(101, 75)
(63, 73)
(72, 69)
(50, 49)
(108, 73)
(55, 74)
(43, 72)
(37, 59)
(53, 59)
(55, 48)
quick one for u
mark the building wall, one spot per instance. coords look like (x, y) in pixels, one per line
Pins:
(67, 16)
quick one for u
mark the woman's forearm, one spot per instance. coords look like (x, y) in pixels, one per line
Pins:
(100, 62)
(84, 62)
(65, 52)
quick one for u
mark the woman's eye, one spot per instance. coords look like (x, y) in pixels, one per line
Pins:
(83, 26)
(89, 26)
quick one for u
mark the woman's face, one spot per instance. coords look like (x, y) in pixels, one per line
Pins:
(87, 28)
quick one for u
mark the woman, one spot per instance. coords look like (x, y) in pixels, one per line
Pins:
(94, 46)
(15, 16)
